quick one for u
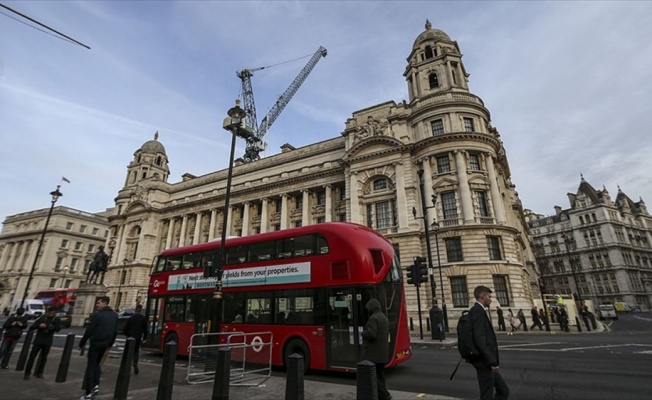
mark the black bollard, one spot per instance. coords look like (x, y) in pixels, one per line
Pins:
(166, 382)
(579, 327)
(428, 324)
(592, 318)
(124, 374)
(411, 324)
(22, 359)
(222, 374)
(294, 379)
(366, 385)
(64, 364)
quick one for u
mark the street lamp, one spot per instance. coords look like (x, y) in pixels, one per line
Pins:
(435, 228)
(55, 196)
(63, 281)
(234, 123)
(122, 277)
(568, 239)
(433, 286)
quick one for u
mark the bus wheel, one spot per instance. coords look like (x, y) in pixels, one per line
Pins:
(172, 337)
(297, 346)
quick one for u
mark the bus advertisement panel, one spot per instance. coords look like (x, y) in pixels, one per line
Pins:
(307, 285)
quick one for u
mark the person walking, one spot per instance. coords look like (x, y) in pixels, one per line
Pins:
(522, 322)
(536, 321)
(512, 319)
(45, 326)
(13, 327)
(375, 345)
(136, 327)
(563, 319)
(101, 331)
(487, 365)
(501, 319)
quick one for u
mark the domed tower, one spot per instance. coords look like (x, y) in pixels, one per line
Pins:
(434, 65)
(150, 162)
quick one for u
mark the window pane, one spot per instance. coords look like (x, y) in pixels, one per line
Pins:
(383, 217)
(448, 204)
(500, 290)
(468, 124)
(380, 184)
(454, 249)
(437, 127)
(460, 291)
(493, 244)
(443, 164)
(474, 162)
(481, 200)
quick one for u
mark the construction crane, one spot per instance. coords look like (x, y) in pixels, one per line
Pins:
(256, 144)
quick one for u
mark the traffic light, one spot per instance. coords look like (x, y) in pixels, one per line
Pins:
(412, 275)
(421, 269)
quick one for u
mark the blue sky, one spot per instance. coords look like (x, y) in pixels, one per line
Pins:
(568, 85)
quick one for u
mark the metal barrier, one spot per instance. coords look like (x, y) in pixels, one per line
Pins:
(251, 357)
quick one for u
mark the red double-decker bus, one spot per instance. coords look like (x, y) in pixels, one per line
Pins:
(307, 285)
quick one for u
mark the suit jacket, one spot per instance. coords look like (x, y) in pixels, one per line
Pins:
(45, 335)
(484, 338)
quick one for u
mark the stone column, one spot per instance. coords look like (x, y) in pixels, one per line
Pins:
(328, 207)
(168, 239)
(401, 200)
(5, 255)
(305, 209)
(22, 264)
(355, 206)
(264, 218)
(245, 219)
(12, 258)
(497, 199)
(465, 191)
(197, 232)
(211, 225)
(428, 190)
(229, 221)
(449, 74)
(284, 211)
(120, 250)
(182, 236)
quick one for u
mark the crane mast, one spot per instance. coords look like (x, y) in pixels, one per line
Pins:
(256, 144)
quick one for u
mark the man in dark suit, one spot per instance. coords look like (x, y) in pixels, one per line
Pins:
(136, 327)
(487, 365)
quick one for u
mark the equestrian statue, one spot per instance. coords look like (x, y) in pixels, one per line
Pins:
(98, 266)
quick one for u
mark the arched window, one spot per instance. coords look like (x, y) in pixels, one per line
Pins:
(433, 80)
(429, 52)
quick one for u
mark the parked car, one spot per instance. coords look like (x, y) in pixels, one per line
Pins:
(123, 316)
(607, 311)
(65, 319)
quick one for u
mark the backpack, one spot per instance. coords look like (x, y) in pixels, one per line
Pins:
(465, 343)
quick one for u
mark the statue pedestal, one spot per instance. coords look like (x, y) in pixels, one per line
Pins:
(87, 295)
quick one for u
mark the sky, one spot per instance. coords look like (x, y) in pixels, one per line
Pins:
(568, 85)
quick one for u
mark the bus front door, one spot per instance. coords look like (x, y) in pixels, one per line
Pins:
(344, 328)
(154, 314)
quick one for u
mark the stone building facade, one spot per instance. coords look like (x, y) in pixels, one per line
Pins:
(599, 245)
(367, 175)
(70, 242)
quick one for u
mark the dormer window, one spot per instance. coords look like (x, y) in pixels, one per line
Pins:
(433, 80)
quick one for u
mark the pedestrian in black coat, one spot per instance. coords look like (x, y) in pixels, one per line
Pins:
(487, 365)
(501, 319)
(13, 326)
(136, 327)
(375, 345)
(45, 326)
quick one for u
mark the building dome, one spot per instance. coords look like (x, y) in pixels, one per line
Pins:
(153, 146)
(430, 34)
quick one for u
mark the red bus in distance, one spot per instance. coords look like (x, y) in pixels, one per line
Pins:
(307, 285)
(61, 299)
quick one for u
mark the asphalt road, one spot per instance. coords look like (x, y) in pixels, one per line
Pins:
(607, 365)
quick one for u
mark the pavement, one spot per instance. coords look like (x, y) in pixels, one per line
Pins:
(145, 386)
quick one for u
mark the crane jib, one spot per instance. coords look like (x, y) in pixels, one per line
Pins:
(256, 145)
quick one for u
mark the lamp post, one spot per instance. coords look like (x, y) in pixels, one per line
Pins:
(55, 196)
(434, 311)
(122, 277)
(63, 281)
(568, 240)
(435, 227)
(234, 123)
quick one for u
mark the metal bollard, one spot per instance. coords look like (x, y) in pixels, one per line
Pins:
(222, 374)
(428, 324)
(411, 324)
(64, 364)
(166, 382)
(579, 327)
(294, 380)
(22, 359)
(366, 385)
(124, 374)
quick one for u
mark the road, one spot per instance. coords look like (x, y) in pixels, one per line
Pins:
(537, 366)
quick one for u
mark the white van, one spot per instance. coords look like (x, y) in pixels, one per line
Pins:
(607, 311)
(33, 308)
